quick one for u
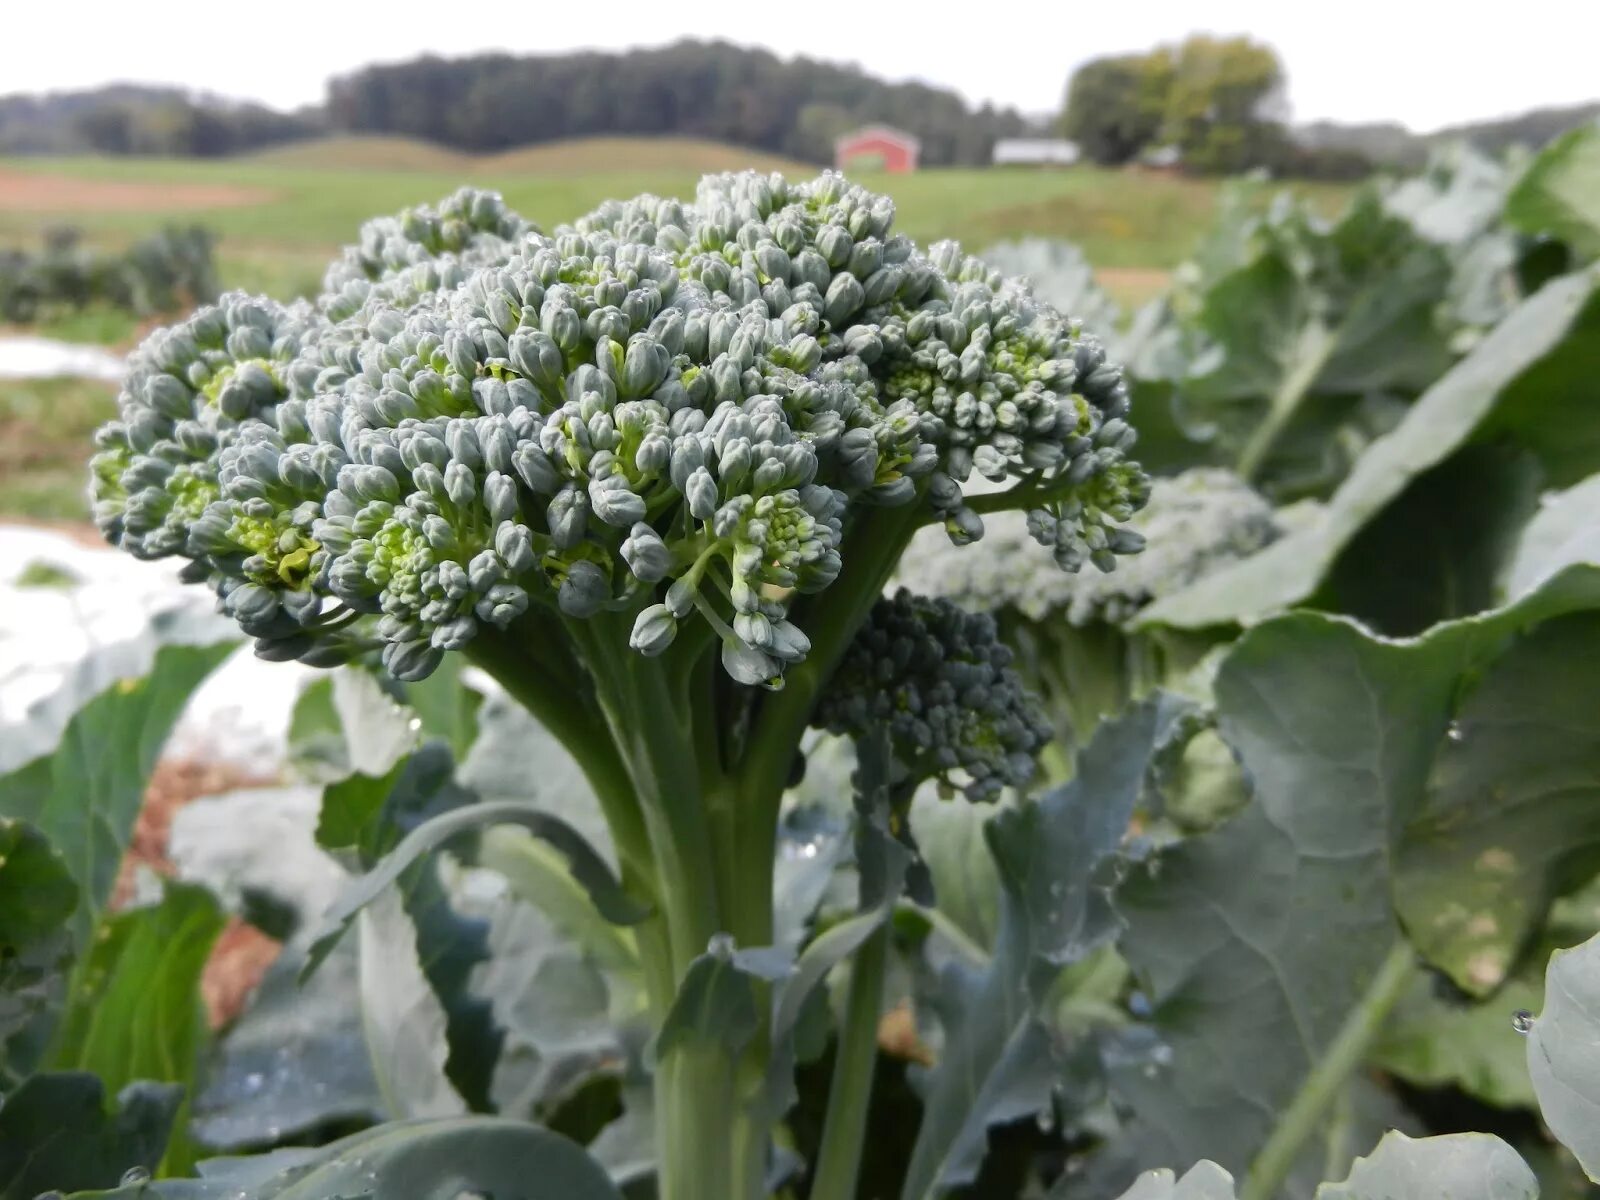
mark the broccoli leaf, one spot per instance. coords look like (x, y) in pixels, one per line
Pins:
(86, 795)
(1564, 1052)
(134, 1013)
(1559, 194)
(1259, 939)
(1053, 858)
(56, 1133)
(37, 897)
(587, 867)
(293, 1063)
(1313, 321)
(1460, 1166)
(1527, 383)
(447, 1156)
(1563, 531)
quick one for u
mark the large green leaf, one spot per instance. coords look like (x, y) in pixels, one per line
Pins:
(37, 897)
(1260, 940)
(295, 1062)
(564, 1017)
(1564, 1052)
(134, 1012)
(57, 1134)
(1433, 1041)
(1461, 1166)
(374, 817)
(1511, 812)
(1528, 385)
(85, 795)
(1052, 858)
(1559, 194)
(538, 873)
(425, 1160)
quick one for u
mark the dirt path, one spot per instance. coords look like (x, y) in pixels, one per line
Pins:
(24, 191)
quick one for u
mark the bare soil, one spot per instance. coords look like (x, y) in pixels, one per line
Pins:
(242, 953)
(27, 192)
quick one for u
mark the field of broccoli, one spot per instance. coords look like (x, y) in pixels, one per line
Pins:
(787, 706)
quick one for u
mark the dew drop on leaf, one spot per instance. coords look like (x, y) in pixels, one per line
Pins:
(135, 1175)
(1454, 732)
(1522, 1021)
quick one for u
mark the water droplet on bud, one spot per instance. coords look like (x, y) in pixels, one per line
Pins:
(1522, 1021)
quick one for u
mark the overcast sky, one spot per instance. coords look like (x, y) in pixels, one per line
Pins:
(1425, 63)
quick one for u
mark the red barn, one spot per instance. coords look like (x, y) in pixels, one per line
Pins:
(877, 148)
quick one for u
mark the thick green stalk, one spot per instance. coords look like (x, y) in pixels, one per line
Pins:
(654, 735)
(693, 1087)
(872, 550)
(1309, 1108)
(844, 1132)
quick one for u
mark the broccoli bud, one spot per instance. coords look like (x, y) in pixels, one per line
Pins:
(939, 678)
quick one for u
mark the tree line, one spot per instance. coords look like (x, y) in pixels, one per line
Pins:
(1214, 104)
(710, 90)
(135, 119)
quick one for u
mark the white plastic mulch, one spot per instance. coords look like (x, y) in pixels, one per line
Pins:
(240, 715)
(42, 358)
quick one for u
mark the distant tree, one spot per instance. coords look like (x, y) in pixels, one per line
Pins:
(1226, 106)
(1115, 106)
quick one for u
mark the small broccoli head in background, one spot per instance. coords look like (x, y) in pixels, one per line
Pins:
(941, 682)
(671, 412)
(1194, 523)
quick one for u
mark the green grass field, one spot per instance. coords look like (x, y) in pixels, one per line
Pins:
(281, 215)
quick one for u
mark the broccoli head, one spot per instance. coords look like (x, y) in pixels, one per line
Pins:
(670, 411)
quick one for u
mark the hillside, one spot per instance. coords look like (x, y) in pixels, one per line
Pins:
(606, 154)
(578, 156)
(372, 152)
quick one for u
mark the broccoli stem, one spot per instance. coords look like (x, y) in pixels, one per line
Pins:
(844, 1132)
(691, 773)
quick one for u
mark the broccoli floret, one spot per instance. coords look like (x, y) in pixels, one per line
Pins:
(941, 681)
(670, 411)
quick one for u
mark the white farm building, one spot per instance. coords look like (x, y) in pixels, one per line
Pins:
(1055, 152)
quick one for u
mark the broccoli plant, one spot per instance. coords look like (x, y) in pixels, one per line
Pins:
(650, 473)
